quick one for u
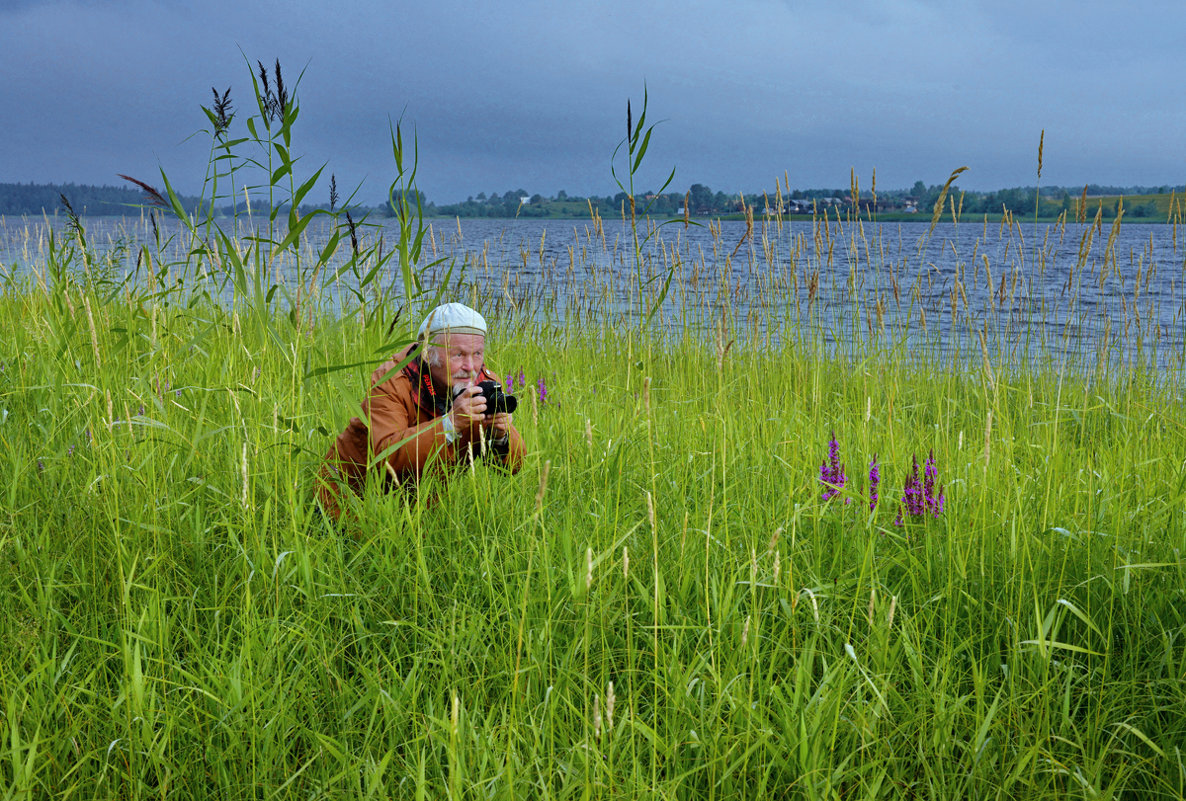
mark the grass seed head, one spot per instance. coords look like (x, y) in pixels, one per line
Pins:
(609, 706)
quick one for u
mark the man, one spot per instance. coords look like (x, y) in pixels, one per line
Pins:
(428, 414)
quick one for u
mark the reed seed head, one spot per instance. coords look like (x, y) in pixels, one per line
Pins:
(223, 112)
(609, 706)
(245, 481)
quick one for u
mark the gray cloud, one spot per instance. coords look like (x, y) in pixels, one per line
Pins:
(532, 94)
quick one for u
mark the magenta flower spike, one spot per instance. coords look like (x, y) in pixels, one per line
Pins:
(831, 471)
(911, 494)
(825, 480)
(874, 480)
(930, 471)
(919, 496)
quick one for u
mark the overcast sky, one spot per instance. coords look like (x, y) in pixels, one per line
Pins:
(532, 94)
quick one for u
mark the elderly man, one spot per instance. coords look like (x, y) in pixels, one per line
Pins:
(429, 413)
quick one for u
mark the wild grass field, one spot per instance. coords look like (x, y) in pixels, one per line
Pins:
(730, 568)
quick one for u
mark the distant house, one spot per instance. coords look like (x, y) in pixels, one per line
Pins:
(524, 199)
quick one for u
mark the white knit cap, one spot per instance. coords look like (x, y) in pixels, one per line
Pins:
(454, 317)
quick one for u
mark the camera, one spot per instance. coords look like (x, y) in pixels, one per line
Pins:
(497, 400)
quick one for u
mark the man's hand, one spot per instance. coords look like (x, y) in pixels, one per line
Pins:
(469, 408)
(500, 425)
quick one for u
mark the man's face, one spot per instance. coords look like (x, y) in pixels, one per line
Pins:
(455, 360)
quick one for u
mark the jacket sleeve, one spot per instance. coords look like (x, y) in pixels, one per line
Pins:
(390, 417)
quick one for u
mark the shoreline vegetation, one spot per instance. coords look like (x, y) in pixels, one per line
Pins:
(733, 566)
(1055, 204)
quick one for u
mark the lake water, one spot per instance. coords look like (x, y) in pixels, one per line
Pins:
(1019, 292)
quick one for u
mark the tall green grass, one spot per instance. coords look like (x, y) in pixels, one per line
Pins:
(181, 622)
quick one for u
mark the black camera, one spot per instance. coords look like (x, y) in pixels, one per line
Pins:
(497, 400)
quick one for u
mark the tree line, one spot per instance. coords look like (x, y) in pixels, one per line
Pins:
(38, 199)
(698, 200)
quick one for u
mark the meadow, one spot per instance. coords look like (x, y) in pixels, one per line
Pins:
(733, 566)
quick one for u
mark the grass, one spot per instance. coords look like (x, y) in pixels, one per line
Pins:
(180, 621)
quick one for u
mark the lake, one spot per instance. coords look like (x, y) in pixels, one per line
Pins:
(1017, 292)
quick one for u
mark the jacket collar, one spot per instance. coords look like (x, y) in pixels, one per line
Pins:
(436, 403)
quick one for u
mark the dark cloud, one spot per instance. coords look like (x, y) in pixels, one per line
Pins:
(532, 94)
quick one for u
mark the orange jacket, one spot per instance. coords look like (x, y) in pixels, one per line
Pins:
(402, 407)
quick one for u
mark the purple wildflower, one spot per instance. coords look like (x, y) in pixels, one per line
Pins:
(874, 480)
(831, 471)
(40, 466)
(89, 438)
(541, 387)
(912, 497)
(510, 384)
(928, 485)
(141, 412)
(177, 393)
(522, 378)
(70, 451)
(918, 496)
